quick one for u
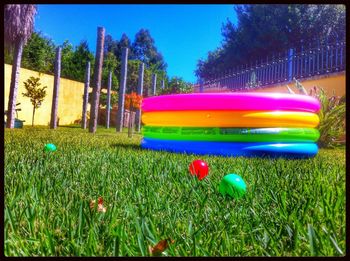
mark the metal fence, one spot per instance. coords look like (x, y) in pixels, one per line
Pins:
(296, 63)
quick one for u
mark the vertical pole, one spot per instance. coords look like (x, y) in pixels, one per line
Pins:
(201, 86)
(16, 67)
(108, 110)
(56, 87)
(122, 87)
(97, 80)
(154, 84)
(139, 92)
(86, 95)
(290, 65)
(163, 84)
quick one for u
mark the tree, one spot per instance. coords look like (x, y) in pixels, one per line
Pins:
(124, 43)
(79, 58)
(18, 27)
(110, 63)
(67, 60)
(264, 29)
(133, 75)
(111, 45)
(103, 99)
(144, 49)
(39, 54)
(177, 85)
(132, 103)
(35, 93)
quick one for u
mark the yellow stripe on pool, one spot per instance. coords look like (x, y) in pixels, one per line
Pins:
(231, 119)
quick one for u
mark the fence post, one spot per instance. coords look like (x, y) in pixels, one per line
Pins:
(154, 84)
(122, 86)
(56, 86)
(290, 65)
(201, 87)
(139, 92)
(86, 95)
(108, 109)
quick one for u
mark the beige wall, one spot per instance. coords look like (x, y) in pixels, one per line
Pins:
(70, 101)
(330, 83)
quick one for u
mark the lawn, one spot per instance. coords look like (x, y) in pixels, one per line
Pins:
(291, 208)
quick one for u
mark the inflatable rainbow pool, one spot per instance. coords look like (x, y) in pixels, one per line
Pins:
(232, 124)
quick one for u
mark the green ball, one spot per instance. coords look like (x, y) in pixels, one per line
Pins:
(50, 147)
(233, 185)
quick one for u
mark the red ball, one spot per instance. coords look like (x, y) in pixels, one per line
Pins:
(199, 168)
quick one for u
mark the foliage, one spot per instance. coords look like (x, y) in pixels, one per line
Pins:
(332, 117)
(18, 27)
(133, 76)
(34, 92)
(144, 50)
(291, 208)
(253, 83)
(114, 99)
(177, 85)
(39, 54)
(73, 61)
(265, 29)
(18, 23)
(110, 64)
(132, 101)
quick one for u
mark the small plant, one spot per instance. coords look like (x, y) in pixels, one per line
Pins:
(35, 93)
(332, 117)
(114, 99)
(253, 83)
(132, 103)
(331, 114)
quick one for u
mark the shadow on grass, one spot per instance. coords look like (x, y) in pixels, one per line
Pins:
(71, 126)
(127, 146)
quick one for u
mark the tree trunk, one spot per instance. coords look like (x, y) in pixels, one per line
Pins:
(108, 111)
(122, 86)
(139, 92)
(97, 79)
(56, 87)
(86, 95)
(16, 67)
(130, 123)
(33, 116)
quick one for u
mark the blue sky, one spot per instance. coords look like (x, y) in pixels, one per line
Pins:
(182, 33)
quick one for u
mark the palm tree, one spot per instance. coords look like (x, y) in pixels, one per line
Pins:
(18, 27)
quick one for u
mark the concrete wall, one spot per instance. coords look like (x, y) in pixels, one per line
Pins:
(70, 101)
(332, 82)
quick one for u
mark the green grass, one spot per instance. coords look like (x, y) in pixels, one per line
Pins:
(292, 207)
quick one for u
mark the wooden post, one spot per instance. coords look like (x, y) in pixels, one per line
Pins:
(122, 87)
(56, 87)
(97, 80)
(139, 92)
(108, 110)
(154, 84)
(86, 95)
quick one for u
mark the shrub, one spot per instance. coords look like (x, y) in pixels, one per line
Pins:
(332, 118)
(331, 114)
